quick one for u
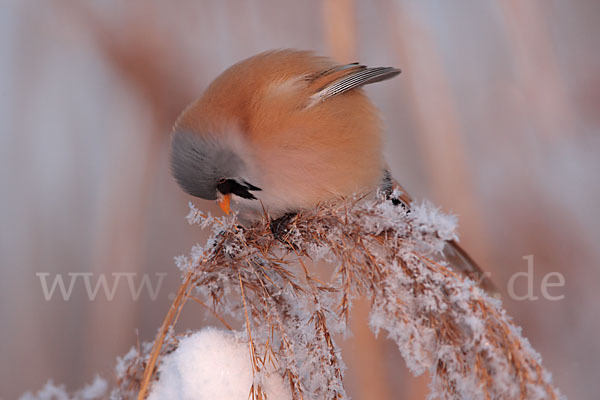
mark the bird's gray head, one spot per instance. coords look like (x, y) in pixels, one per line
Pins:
(205, 167)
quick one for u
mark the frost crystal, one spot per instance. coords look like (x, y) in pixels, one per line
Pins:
(93, 391)
(442, 322)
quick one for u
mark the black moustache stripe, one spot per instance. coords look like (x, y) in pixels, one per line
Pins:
(231, 186)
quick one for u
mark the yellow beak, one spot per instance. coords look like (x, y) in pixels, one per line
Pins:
(224, 203)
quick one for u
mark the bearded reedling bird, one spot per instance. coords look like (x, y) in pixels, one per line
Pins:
(283, 131)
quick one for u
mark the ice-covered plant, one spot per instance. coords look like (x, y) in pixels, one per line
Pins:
(442, 322)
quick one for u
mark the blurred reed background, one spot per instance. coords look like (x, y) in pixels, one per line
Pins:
(495, 118)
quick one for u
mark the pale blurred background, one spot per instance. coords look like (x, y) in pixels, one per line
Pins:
(496, 117)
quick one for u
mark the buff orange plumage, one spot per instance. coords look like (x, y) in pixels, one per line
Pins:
(283, 131)
(296, 125)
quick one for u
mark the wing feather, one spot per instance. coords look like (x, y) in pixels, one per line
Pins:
(342, 78)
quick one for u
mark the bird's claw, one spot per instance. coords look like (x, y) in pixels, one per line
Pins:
(279, 227)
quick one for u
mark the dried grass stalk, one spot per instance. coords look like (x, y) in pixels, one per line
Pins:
(441, 321)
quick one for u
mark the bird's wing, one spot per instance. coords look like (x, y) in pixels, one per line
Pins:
(457, 258)
(342, 78)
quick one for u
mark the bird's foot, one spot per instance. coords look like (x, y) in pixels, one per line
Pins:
(398, 202)
(279, 227)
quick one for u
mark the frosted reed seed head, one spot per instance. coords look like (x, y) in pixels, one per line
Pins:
(442, 322)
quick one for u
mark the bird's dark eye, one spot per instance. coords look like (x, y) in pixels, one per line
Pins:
(231, 186)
